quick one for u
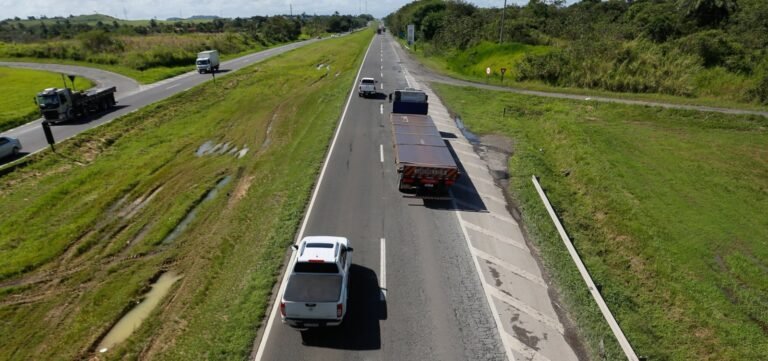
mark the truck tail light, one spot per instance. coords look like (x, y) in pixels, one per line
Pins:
(407, 180)
(282, 308)
(339, 309)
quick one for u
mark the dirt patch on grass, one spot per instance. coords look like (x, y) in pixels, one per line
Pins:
(240, 190)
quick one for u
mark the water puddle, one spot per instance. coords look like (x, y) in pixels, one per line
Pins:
(204, 148)
(224, 148)
(471, 137)
(320, 66)
(133, 319)
(242, 153)
(182, 226)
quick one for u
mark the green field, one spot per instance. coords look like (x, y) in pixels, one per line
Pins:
(96, 215)
(715, 87)
(146, 59)
(666, 207)
(19, 87)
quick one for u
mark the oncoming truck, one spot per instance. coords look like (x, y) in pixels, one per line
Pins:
(424, 163)
(316, 292)
(207, 61)
(63, 104)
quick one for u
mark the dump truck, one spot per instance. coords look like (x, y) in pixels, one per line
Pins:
(64, 104)
(424, 163)
(316, 292)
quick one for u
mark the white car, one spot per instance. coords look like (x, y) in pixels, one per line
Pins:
(316, 292)
(367, 87)
(9, 146)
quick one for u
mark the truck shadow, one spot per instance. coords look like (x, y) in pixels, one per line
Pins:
(378, 96)
(360, 329)
(464, 195)
(91, 117)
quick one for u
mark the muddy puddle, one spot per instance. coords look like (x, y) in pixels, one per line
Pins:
(182, 226)
(471, 137)
(133, 319)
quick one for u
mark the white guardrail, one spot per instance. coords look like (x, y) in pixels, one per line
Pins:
(628, 351)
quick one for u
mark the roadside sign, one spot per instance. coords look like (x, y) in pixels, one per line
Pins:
(72, 79)
(488, 71)
(503, 70)
(48, 134)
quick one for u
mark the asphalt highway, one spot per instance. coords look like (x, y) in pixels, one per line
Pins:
(414, 292)
(130, 96)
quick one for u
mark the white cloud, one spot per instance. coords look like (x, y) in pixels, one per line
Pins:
(146, 9)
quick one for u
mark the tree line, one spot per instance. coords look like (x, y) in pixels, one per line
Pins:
(661, 46)
(268, 29)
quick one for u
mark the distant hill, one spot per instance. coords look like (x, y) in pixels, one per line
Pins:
(195, 17)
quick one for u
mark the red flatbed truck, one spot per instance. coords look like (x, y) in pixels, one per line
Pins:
(424, 162)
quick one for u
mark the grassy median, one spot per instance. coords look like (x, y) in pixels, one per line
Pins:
(666, 207)
(19, 87)
(90, 225)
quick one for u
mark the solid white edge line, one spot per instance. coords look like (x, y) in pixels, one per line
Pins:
(273, 313)
(381, 152)
(383, 273)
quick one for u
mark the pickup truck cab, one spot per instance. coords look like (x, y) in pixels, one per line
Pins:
(316, 292)
(367, 87)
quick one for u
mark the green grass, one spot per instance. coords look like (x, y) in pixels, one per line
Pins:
(715, 88)
(86, 252)
(147, 59)
(20, 86)
(666, 207)
(148, 76)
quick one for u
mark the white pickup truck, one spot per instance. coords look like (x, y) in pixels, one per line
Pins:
(316, 292)
(367, 87)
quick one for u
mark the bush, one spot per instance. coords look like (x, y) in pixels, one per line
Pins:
(637, 66)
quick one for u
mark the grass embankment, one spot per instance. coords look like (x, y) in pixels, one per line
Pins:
(85, 234)
(715, 87)
(666, 207)
(19, 87)
(146, 59)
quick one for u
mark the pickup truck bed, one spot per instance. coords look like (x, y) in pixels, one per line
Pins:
(313, 288)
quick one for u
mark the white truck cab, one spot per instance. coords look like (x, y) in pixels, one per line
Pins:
(316, 292)
(207, 61)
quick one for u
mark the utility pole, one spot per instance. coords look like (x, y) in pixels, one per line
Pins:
(501, 27)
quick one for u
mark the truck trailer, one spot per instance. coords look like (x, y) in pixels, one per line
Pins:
(424, 163)
(63, 104)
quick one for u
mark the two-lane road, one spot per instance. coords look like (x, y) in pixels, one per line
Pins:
(414, 292)
(131, 99)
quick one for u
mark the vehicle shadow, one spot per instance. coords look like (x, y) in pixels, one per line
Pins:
(90, 117)
(378, 96)
(360, 329)
(11, 159)
(464, 194)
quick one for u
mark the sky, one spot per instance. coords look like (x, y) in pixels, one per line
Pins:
(148, 9)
